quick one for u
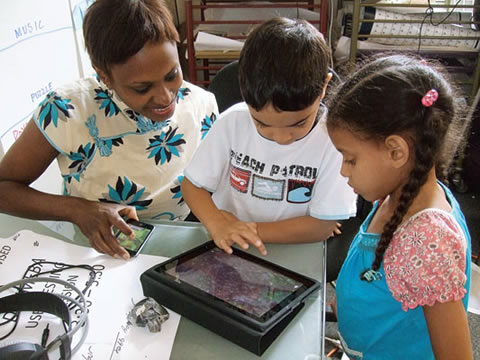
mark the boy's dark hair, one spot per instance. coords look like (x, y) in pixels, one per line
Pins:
(283, 62)
(115, 30)
(384, 97)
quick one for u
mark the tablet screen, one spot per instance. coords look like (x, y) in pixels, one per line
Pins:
(249, 286)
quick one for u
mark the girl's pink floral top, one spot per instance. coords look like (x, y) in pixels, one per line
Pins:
(425, 261)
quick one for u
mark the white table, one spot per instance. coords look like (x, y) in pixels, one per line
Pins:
(303, 339)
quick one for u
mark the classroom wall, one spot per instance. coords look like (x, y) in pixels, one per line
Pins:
(41, 47)
(177, 7)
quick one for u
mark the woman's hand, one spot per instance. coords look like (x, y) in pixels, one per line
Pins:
(96, 221)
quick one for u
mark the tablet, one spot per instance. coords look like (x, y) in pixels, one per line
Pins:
(242, 285)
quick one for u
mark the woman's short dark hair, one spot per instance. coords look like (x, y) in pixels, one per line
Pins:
(283, 62)
(115, 30)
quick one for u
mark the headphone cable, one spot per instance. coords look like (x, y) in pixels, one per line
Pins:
(92, 275)
(82, 304)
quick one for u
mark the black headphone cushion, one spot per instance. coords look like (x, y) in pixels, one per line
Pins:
(22, 351)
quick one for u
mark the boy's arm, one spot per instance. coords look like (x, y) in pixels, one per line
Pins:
(302, 229)
(225, 230)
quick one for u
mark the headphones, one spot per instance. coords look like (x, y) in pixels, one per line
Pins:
(55, 304)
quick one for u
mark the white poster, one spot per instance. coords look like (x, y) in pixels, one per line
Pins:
(474, 299)
(110, 298)
(78, 9)
(37, 54)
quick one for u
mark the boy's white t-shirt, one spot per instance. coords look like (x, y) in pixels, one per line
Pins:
(257, 179)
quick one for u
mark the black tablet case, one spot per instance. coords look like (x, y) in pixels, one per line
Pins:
(250, 338)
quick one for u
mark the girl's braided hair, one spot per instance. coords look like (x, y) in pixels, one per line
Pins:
(384, 97)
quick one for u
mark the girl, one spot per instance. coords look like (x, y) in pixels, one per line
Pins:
(402, 292)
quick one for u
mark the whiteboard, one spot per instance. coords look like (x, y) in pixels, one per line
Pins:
(41, 47)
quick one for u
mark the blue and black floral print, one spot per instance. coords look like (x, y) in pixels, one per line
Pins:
(163, 146)
(108, 152)
(104, 98)
(207, 123)
(50, 108)
(127, 192)
(177, 194)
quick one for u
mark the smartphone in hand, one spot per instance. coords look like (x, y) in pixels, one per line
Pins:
(142, 234)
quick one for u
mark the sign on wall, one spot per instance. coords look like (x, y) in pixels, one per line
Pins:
(39, 50)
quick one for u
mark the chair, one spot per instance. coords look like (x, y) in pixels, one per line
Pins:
(225, 86)
(337, 246)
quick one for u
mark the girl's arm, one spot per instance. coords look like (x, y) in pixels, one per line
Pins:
(449, 332)
(224, 229)
(25, 161)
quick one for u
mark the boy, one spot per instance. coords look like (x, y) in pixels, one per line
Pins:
(268, 162)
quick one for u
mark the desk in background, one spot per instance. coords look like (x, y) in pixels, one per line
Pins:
(303, 339)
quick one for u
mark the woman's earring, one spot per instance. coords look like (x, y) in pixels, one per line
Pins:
(103, 80)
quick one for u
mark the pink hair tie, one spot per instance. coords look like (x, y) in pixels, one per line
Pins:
(429, 98)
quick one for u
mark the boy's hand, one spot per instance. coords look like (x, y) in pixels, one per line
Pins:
(232, 231)
(337, 230)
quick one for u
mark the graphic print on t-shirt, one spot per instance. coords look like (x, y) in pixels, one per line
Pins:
(267, 189)
(299, 191)
(239, 179)
(271, 181)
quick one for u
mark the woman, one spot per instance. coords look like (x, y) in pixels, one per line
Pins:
(121, 138)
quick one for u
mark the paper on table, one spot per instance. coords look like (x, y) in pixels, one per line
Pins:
(218, 14)
(110, 298)
(205, 42)
(474, 299)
